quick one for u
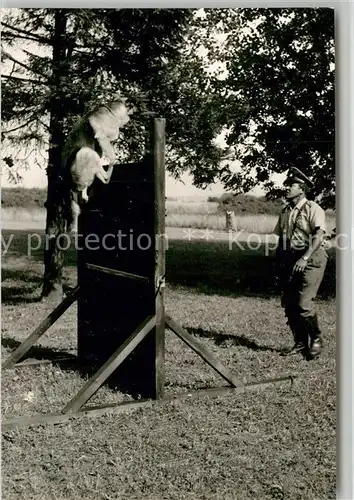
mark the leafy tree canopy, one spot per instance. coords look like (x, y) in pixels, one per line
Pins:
(282, 70)
(263, 77)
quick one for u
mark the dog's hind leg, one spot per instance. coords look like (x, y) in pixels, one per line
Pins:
(84, 168)
(75, 212)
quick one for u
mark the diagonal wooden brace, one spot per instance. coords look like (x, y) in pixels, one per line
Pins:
(95, 382)
(202, 352)
(41, 329)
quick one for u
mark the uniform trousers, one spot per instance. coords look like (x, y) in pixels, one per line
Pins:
(299, 290)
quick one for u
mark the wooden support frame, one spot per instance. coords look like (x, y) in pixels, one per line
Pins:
(93, 411)
(75, 407)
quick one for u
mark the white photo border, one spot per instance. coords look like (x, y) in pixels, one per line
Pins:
(344, 42)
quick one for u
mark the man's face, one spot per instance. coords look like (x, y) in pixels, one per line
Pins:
(294, 189)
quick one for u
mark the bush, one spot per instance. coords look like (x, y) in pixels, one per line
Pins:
(23, 198)
(245, 203)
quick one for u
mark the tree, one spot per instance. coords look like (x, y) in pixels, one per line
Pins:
(272, 94)
(193, 99)
(110, 50)
(159, 52)
(281, 66)
(264, 77)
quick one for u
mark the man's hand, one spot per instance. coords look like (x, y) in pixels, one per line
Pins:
(300, 266)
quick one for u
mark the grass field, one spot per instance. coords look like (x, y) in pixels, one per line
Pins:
(271, 443)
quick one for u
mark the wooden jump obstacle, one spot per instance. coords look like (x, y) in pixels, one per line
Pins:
(120, 294)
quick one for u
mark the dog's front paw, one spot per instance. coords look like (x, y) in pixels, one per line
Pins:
(84, 196)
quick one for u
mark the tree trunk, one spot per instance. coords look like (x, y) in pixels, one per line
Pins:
(55, 228)
(56, 204)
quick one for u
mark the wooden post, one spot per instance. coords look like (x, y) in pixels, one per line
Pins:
(159, 173)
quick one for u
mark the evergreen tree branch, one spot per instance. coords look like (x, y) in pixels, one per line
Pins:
(34, 36)
(31, 70)
(8, 36)
(30, 80)
(28, 122)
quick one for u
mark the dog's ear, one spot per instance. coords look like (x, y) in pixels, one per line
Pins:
(106, 121)
(102, 122)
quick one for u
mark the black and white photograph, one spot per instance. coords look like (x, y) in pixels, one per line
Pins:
(169, 240)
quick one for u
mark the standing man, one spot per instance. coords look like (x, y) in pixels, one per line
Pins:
(302, 260)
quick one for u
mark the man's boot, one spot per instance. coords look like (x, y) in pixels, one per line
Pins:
(300, 337)
(314, 332)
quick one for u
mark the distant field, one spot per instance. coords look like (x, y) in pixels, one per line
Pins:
(17, 214)
(186, 214)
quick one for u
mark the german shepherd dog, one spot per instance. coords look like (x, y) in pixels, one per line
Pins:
(87, 144)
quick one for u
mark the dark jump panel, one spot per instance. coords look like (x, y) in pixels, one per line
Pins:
(117, 229)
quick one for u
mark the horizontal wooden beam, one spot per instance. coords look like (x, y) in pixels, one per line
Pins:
(93, 411)
(116, 272)
(35, 362)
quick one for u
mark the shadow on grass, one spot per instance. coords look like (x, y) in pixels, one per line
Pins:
(20, 275)
(225, 340)
(30, 245)
(209, 267)
(20, 287)
(70, 362)
(26, 294)
(37, 352)
(16, 296)
(62, 359)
